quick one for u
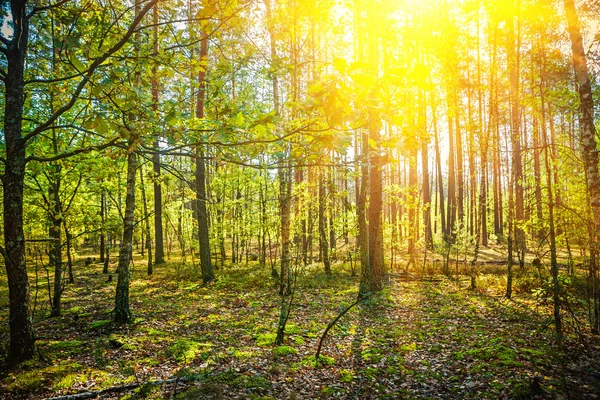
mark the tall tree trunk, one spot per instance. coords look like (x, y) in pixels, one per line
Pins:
(21, 328)
(552, 234)
(425, 166)
(413, 204)
(440, 177)
(201, 194)
(376, 256)
(451, 215)
(361, 211)
(514, 45)
(56, 244)
(587, 127)
(159, 255)
(103, 224)
(148, 244)
(322, 216)
(122, 312)
(69, 243)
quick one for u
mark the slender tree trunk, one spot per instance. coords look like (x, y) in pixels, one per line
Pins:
(514, 45)
(376, 256)
(451, 216)
(69, 244)
(148, 244)
(21, 328)
(588, 130)
(322, 233)
(440, 177)
(122, 311)
(201, 194)
(103, 225)
(159, 255)
(553, 255)
(56, 244)
(413, 190)
(361, 207)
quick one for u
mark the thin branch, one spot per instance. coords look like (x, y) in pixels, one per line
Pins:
(48, 7)
(64, 78)
(113, 142)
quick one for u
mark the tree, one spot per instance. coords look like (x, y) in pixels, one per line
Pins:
(15, 49)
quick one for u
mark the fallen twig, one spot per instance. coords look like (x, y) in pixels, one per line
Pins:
(122, 388)
(334, 321)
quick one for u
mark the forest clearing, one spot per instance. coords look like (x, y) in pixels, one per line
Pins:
(300, 199)
(428, 338)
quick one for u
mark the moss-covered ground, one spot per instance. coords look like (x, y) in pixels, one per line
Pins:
(419, 339)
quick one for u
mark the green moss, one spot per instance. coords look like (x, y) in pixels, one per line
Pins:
(232, 378)
(149, 361)
(74, 310)
(68, 381)
(282, 351)
(241, 354)
(67, 345)
(265, 339)
(309, 361)
(103, 323)
(28, 381)
(186, 350)
(298, 339)
(292, 329)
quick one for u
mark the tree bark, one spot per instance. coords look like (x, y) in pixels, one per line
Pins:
(201, 195)
(322, 232)
(21, 328)
(148, 243)
(122, 311)
(587, 127)
(159, 255)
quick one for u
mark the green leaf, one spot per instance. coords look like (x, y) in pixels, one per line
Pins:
(102, 126)
(172, 118)
(239, 119)
(260, 130)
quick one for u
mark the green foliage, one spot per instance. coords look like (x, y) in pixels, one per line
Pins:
(101, 325)
(282, 351)
(185, 351)
(265, 339)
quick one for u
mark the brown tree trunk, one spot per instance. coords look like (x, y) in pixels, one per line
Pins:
(148, 244)
(587, 127)
(425, 167)
(514, 45)
(21, 328)
(122, 312)
(159, 255)
(322, 216)
(361, 214)
(56, 244)
(201, 195)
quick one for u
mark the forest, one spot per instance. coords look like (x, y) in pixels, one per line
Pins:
(300, 199)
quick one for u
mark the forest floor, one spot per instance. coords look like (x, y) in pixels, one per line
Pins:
(420, 339)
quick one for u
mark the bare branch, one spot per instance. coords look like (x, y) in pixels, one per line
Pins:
(113, 142)
(48, 7)
(64, 78)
